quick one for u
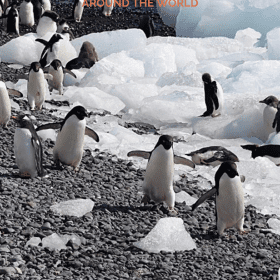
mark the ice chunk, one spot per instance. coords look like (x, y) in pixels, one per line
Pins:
(249, 37)
(54, 242)
(93, 98)
(274, 224)
(168, 12)
(169, 235)
(69, 80)
(157, 58)
(75, 207)
(109, 42)
(33, 241)
(183, 196)
(273, 43)
(47, 134)
(215, 69)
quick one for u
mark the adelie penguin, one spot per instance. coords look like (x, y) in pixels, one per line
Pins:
(50, 52)
(26, 13)
(63, 27)
(147, 25)
(28, 149)
(69, 144)
(269, 112)
(37, 9)
(158, 182)
(57, 71)
(229, 198)
(214, 96)
(77, 10)
(47, 23)
(213, 155)
(271, 152)
(12, 16)
(108, 7)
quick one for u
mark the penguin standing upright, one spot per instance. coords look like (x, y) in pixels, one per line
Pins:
(147, 25)
(78, 10)
(229, 198)
(57, 71)
(46, 4)
(36, 86)
(37, 9)
(13, 19)
(269, 112)
(47, 23)
(5, 105)
(28, 149)
(108, 7)
(50, 52)
(158, 182)
(214, 96)
(26, 13)
(69, 143)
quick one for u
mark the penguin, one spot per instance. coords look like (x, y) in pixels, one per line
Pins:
(26, 13)
(37, 9)
(2, 9)
(50, 52)
(158, 181)
(69, 144)
(108, 7)
(271, 152)
(46, 4)
(61, 25)
(276, 121)
(86, 59)
(77, 10)
(57, 71)
(12, 16)
(214, 96)
(213, 155)
(36, 87)
(47, 23)
(229, 198)
(269, 112)
(147, 25)
(5, 105)
(6, 10)
(28, 149)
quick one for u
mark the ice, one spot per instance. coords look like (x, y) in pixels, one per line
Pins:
(169, 235)
(273, 43)
(47, 134)
(109, 42)
(157, 58)
(249, 37)
(54, 242)
(33, 241)
(76, 207)
(185, 197)
(69, 80)
(215, 69)
(168, 13)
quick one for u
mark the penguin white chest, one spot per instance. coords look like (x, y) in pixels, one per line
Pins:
(220, 96)
(268, 118)
(230, 201)
(78, 11)
(70, 142)
(5, 104)
(158, 182)
(45, 25)
(24, 152)
(26, 13)
(57, 82)
(108, 7)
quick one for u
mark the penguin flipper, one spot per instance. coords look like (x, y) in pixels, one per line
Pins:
(250, 147)
(204, 197)
(69, 72)
(91, 133)
(48, 76)
(42, 41)
(14, 92)
(214, 95)
(142, 154)
(242, 178)
(38, 156)
(184, 161)
(49, 126)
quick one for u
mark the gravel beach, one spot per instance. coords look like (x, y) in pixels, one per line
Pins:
(118, 219)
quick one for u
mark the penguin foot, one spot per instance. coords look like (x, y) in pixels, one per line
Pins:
(214, 116)
(25, 175)
(243, 232)
(172, 211)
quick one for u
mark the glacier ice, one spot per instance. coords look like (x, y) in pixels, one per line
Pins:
(185, 197)
(274, 224)
(169, 235)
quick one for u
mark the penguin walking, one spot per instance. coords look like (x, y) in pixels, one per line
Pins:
(147, 25)
(214, 96)
(86, 59)
(69, 144)
(50, 52)
(213, 155)
(271, 152)
(78, 10)
(158, 182)
(36, 86)
(269, 112)
(26, 13)
(108, 7)
(57, 71)
(229, 198)
(28, 149)
(47, 23)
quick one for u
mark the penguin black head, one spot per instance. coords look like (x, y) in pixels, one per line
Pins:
(230, 168)
(24, 121)
(56, 63)
(35, 66)
(166, 141)
(252, 148)
(270, 101)
(52, 15)
(206, 78)
(62, 21)
(55, 38)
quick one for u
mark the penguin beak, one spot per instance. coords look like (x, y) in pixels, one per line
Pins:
(262, 101)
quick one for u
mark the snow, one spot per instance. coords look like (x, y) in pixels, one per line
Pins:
(158, 81)
(168, 235)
